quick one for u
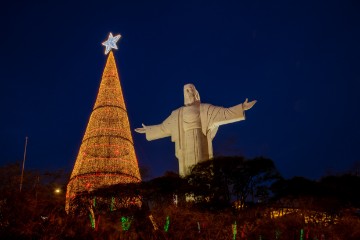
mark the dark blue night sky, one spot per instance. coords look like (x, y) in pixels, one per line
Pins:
(299, 59)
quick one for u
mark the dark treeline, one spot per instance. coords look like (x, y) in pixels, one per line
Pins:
(204, 205)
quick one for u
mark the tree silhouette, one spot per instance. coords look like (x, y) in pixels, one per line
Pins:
(224, 179)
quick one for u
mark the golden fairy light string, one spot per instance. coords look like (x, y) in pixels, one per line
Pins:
(106, 155)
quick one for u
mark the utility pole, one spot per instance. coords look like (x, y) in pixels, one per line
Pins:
(23, 165)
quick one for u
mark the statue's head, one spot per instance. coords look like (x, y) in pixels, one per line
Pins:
(191, 95)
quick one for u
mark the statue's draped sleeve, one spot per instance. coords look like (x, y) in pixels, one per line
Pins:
(172, 126)
(213, 116)
(165, 129)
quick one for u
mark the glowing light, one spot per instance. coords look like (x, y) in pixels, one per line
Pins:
(167, 223)
(309, 217)
(106, 156)
(92, 218)
(92, 221)
(234, 228)
(153, 222)
(112, 204)
(125, 223)
(57, 190)
(111, 43)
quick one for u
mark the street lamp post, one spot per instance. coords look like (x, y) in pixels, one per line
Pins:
(23, 165)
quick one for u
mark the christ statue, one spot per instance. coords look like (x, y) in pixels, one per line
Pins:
(193, 127)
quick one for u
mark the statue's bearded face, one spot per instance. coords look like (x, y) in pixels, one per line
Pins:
(191, 95)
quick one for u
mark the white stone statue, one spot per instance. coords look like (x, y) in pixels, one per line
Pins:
(193, 127)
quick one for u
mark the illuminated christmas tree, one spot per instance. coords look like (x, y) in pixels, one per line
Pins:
(107, 155)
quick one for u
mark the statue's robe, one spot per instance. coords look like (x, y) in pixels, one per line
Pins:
(193, 128)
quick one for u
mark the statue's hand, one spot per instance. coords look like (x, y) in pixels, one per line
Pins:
(141, 130)
(247, 105)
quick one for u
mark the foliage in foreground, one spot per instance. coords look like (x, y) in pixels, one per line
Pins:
(184, 223)
(324, 209)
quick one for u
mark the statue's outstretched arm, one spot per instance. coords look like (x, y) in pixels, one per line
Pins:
(217, 116)
(161, 130)
(141, 130)
(247, 105)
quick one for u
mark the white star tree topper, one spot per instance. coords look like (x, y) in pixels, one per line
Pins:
(111, 42)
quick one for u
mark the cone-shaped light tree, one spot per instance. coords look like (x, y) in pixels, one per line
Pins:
(107, 155)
